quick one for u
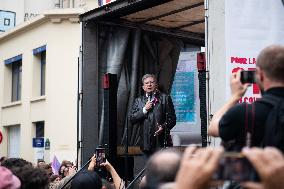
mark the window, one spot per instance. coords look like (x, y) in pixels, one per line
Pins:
(42, 73)
(39, 129)
(13, 141)
(8, 20)
(39, 71)
(16, 80)
(13, 79)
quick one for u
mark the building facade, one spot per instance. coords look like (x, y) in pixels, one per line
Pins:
(38, 87)
(15, 12)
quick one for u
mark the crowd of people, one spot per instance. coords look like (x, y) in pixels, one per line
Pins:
(29, 176)
(258, 144)
(18, 173)
(165, 169)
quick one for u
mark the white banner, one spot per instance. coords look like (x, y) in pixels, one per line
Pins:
(250, 25)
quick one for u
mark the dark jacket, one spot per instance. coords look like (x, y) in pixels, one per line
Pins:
(162, 110)
(232, 126)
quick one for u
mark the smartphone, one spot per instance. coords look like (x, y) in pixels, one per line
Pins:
(234, 166)
(248, 76)
(100, 156)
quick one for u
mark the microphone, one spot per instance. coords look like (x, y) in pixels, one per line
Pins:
(149, 96)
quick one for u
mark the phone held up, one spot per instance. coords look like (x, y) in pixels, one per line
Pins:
(234, 166)
(248, 76)
(100, 156)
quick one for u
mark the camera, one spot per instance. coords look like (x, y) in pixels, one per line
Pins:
(248, 76)
(234, 166)
(100, 156)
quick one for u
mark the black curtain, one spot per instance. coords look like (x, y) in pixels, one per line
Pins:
(131, 53)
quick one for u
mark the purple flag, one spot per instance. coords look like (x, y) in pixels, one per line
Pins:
(55, 165)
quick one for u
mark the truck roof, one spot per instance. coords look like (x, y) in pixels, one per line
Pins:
(177, 16)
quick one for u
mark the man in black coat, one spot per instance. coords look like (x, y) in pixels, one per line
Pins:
(155, 114)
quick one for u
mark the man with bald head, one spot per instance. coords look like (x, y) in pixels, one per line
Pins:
(229, 121)
(162, 168)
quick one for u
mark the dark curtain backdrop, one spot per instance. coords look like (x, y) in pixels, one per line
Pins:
(131, 53)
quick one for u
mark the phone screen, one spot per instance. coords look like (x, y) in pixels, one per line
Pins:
(248, 76)
(234, 166)
(100, 156)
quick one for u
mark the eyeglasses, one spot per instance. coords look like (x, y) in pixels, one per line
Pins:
(149, 82)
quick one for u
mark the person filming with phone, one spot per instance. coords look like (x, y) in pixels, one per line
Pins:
(243, 122)
(198, 166)
(155, 114)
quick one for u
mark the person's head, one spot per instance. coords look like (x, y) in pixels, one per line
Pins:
(54, 181)
(12, 163)
(65, 172)
(61, 170)
(270, 67)
(54, 178)
(67, 163)
(48, 169)
(32, 177)
(8, 180)
(149, 82)
(87, 180)
(162, 167)
(41, 163)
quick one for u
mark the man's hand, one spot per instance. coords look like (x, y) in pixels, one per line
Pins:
(197, 167)
(148, 105)
(107, 165)
(269, 163)
(237, 88)
(93, 163)
(159, 130)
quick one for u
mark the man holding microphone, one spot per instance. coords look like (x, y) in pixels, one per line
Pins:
(154, 112)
